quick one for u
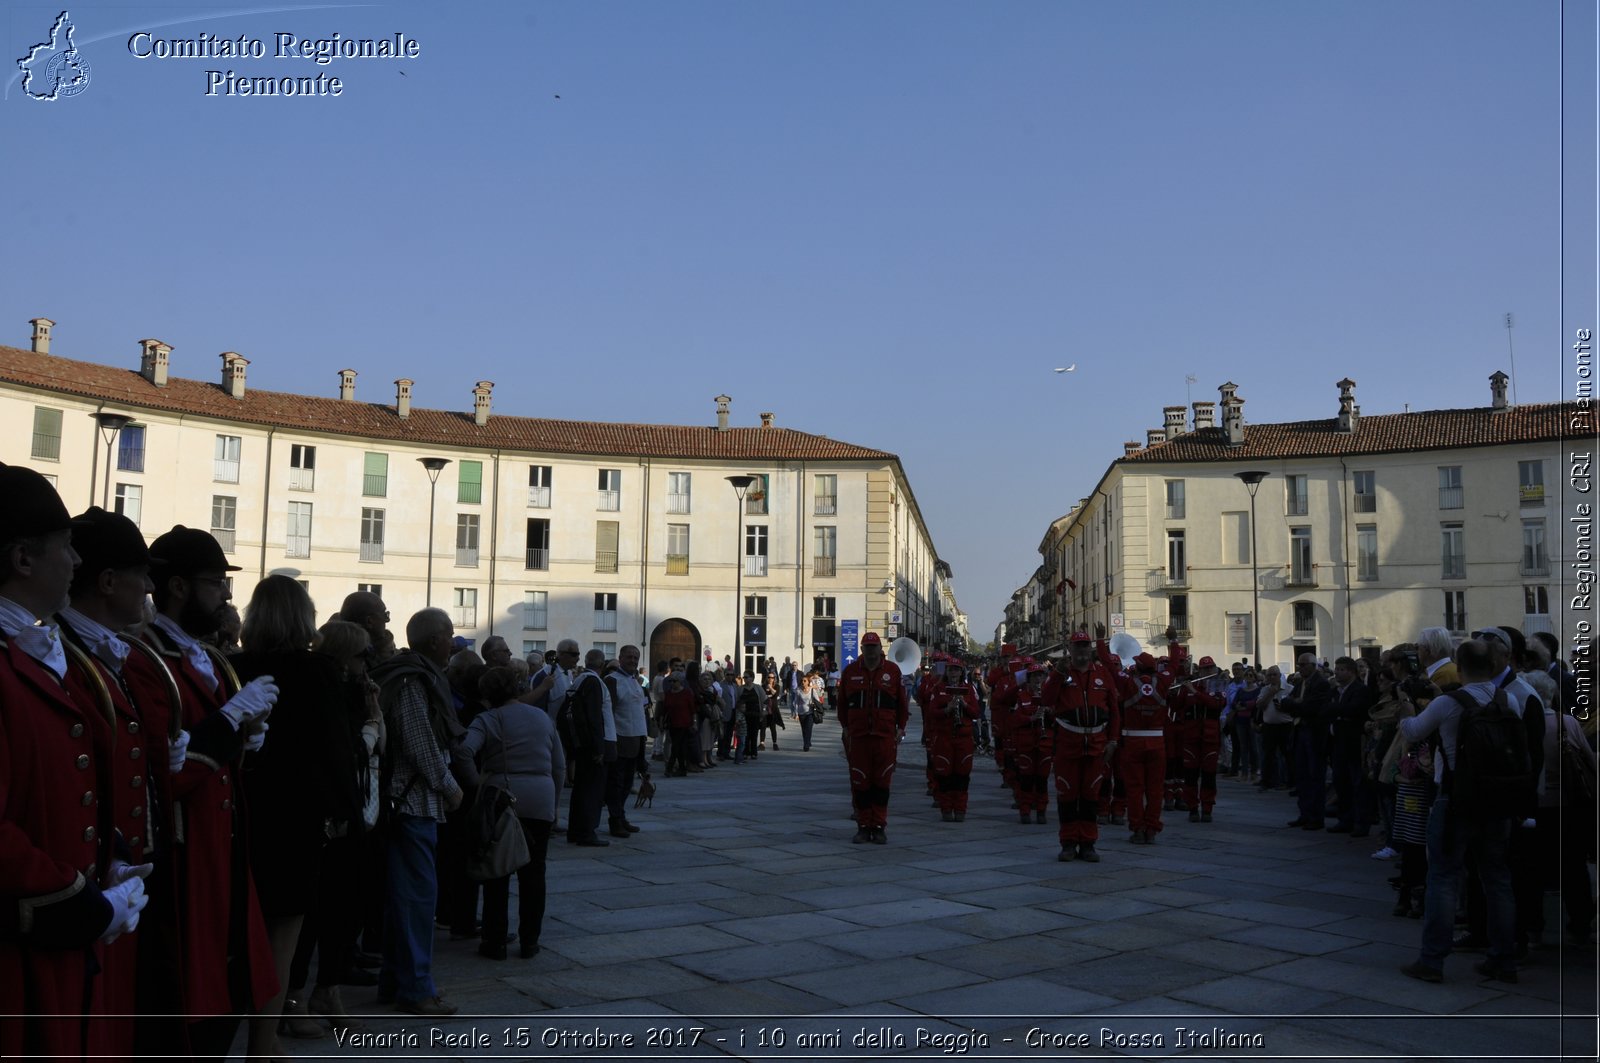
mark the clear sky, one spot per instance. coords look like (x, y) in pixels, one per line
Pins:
(887, 222)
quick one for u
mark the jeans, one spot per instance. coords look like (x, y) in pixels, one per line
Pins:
(806, 724)
(1275, 754)
(1450, 840)
(1246, 756)
(408, 917)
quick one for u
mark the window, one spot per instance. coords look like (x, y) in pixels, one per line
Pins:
(1366, 490)
(464, 613)
(225, 463)
(372, 534)
(1535, 562)
(1305, 619)
(1178, 612)
(1177, 566)
(755, 500)
(824, 626)
(1298, 498)
(1454, 552)
(1536, 601)
(539, 486)
(1455, 612)
(1366, 551)
(302, 467)
(370, 588)
(1530, 482)
(825, 561)
(297, 543)
(677, 549)
(130, 500)
(1175, 500)
(1236, 538)
(538, 544)
(677, 492)
(827, 494)
(605, 614)
(755, 549)
(535, 610)
(530, 647)
(755, 630)
(375, 475)
(1301, 570)
(467, 540)
(46, 434)
(224, 515)
(610, 490)
(130, 449)
(469, 486)
(1450, 487)
(605, 545)
(609, 649)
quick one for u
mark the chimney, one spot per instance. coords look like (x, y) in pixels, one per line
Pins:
(1154, 436)
(41, 334)
(1130, 448)
(1349, 412)
(233, 364)
(1228, 392)
(153, 355)
(480, 402)
(1233, 420)
(1177, 420)
(1497, 384)
(402, 397)
(1204, 415)
(768, 419)
(347, 385)
(722, 402)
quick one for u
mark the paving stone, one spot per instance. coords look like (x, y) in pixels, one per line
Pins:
(1103, 908)
(1000, 959)
(910, 976)
(1125, 937)
(1215, 954)
(761, 961)
(1121, 975)
(1251, 995)
(1291, 939)
(650, 917)
(907, 939)
(912, 910)
(1275, 914)
(617, 948)
(1010, 922)
(1008, 996)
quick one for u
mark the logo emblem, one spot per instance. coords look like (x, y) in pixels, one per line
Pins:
(55, 69)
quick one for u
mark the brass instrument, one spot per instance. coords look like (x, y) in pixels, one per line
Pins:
(225, 673)
(175, 717)
(97, 682)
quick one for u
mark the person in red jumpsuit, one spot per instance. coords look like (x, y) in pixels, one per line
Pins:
(873, 712)
(951, 714)
(1202, 739)
(1144, 748)
(1173, 668)
(1032, 743)
(1082, 699)
(1002, 683)
(931, 680)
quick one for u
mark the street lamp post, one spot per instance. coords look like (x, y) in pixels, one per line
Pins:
(110, 424)
(1252, 480)
(741, 484)
(434, 467)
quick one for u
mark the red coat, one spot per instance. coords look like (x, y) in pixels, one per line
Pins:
(872, 703)
(938, 717)
(1027, 736)
(1086, 706)
(52, 747)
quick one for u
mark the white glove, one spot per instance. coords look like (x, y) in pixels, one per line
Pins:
(251, 703)
(178, 752)
(122, 871)
(256, 737)
(127, 899)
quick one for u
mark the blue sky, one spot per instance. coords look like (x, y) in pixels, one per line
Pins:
(885, 222)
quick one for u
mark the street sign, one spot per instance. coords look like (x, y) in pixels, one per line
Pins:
(896, 617)
(891, 631)
(849, 641)
(1117, 622)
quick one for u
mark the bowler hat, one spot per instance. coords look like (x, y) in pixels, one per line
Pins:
(32, 507)
(187, 551)
(108, 540)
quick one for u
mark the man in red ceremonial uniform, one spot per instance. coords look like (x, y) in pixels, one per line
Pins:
(1202, 739)
(873, 713)
(951, 714)
(227, 959)
(63, 889)
(1144, 749)
(1032, 743)
(1083, 700)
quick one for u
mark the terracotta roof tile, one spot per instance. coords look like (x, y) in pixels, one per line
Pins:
(127, 389)
(1383, 433)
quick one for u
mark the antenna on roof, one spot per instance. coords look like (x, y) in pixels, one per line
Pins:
(1513, 350)
(1189, 380)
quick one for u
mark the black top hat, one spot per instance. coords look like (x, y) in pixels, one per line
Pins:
(29, 505)
(186, 551)
(108, 540)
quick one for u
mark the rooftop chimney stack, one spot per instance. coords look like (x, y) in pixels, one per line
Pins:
(233, 365)
(1497, 389)
(1349, 412)
(1232, 413)
(1130, 448)
(41, 334)
(347, 385)
(1177, 420)
(768, 419)
(1154, 436)
(153, 359)
(402, 397)
(480, 402)
(722, 402)
(1205, 415)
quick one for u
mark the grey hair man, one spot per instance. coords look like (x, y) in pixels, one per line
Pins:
(1435, 648)
(496, 654)
(629, 706)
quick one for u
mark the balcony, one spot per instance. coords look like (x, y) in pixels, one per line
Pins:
(677, 564)
(539, 497)
(755, 565)
(823, 566)
(538, 559)
(827, 505)
(605, 560)
(610, 501)
(1159, 580)
(1535, 566)
(302, 479)
(375, 485)
(224, 472)
(1450, 498)
(297, 546)
(1306, 577)
(1531, 494)
(466, 557)
(1453, 567)
(224, 538)
(677, 503)
(372, 551)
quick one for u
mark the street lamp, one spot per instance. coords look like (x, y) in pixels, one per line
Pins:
(1252, 480)
(741, 484)
(110, 424)
(434, 467)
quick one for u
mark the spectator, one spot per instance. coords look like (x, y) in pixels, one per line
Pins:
(367, 610)
(1352, 703)
(1434, 650)
(1310, 704)
(628, 702)
(587, 758)
(1565, 823)
(1246, 746)
(678, 706)
(806, 700)
(752, 706)
(496, 654)
(658, 721)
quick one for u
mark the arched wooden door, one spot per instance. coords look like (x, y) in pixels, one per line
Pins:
(674, 638)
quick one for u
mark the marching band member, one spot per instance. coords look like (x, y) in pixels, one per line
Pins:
(1032, 744)
(873, 711)
(950, 717)
(1082, 699)
(1144, 750)
(1202, 739)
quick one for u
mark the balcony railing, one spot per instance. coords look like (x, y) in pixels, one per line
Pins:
(823, 566)
(677, 503)
(298, 546)
(827, 504)
(1301, 577)
(677, 564)
(605, 560)
(605, 620)
(224, 538)
(755, 565)
(538, 559)
(373, 486)
(1450, 498)
(1531, 494)
(130, 459)
(539, 497)
(610, 501)
(1536, 566)
(302, 479)
(1454, 567)
(372, 551)
(224, 471)
(466, 557)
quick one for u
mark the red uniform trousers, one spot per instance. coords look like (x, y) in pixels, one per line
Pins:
(1202, 740)
(1033, 756)
(1080, 766)
(872, 759)
(1173, 745)
(1144, 763)
(950, 757)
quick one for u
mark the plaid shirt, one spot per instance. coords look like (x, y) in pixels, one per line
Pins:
(421, 769)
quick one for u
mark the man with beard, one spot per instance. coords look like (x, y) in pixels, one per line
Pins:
(873, 711)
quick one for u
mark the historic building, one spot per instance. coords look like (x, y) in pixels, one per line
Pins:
(540, 529)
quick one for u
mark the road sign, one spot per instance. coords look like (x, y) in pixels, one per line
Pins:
(1117, 622)
(891, 631)
(849, 641)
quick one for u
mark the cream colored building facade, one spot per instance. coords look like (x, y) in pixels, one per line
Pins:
(610, 534)
(1366, 531)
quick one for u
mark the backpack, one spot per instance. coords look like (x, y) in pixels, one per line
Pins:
(1492, 773)
(570, 726)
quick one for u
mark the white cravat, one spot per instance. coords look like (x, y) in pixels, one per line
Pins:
(193, 651)
(103, 642)
(41, 641)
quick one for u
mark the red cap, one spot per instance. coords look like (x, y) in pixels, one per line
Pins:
(1080, 636)
(1145, 663)
(1207, 662)
(1008, 649)
(871, 639)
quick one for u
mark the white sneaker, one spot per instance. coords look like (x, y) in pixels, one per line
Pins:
(1385, 853)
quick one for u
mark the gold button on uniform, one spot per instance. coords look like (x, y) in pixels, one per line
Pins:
(137, 780)
(88, 797)
(135, 840)
(77, 730)
(88, 834)
(224, 780)
(82, 761)
(136, 811)
(133, 728)
(227, 803)
(134, 753)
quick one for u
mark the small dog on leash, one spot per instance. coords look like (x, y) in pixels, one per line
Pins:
(647, 793)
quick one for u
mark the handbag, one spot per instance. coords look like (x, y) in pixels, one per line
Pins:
(1577, 775)
(498, 846)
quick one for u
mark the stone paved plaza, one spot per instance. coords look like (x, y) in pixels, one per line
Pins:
(742, 906)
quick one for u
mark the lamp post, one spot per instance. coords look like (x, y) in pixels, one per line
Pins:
(1252, 480)
(434, 467)
(110, 424)
(741, 484)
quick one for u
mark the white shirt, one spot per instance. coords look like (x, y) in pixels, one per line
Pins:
(1443, 714)
(628, 706)
(193, 651)
(103, 642)
(37, 639)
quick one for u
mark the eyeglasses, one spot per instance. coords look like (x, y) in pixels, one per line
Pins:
(215, 581)
(566, 653)
(1492, 633)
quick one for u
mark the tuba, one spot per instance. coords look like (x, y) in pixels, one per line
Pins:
(1126, 648)
(906, 655)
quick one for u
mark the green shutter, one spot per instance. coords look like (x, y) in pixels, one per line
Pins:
(46, 434)
(471, 483)
(375, 476)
